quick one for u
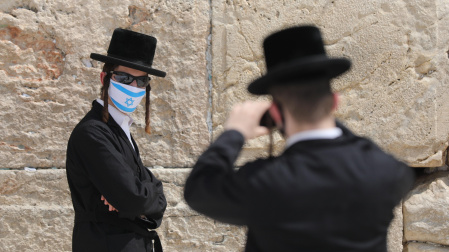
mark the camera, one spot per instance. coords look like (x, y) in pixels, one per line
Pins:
(267, 121)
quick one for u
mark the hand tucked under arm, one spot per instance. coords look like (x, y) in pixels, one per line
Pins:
(111, 208)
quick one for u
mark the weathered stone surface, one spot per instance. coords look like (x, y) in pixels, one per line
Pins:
(197, 233)
(426, 216)
(31, 188)
(186, 230)
(36, 228)
(424, 247)
(395, 91)
(36, 211)
(49, 81)
(395, 231)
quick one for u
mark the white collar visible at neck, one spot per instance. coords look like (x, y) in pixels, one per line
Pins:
(330, 133)
(124, 121)
(118, 116)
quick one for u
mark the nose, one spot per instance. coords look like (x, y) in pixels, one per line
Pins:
(134, 83)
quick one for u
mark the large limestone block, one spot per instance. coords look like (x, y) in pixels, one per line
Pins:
(194, 232)
(36, 228)
(425, 247)
(31, 188)
(426, 215)
(36, 211)
(395, 90)
(183, 229)
(48, 80)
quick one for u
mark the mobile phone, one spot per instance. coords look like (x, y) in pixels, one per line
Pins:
(267, 121)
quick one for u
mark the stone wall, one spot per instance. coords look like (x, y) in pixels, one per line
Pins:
(395, 94)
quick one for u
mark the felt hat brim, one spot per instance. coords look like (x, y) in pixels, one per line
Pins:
(122, 62)
(303, 70)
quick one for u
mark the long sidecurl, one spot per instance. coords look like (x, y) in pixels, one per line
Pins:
(147, 111)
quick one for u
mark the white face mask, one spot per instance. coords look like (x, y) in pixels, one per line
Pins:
(125, 97)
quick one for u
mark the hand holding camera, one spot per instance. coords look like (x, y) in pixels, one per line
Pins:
(246, 118)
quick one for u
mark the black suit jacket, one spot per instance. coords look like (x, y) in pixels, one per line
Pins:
(101, 161)
(319, 195)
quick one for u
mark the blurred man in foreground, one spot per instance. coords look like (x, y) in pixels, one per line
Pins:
(330, 190)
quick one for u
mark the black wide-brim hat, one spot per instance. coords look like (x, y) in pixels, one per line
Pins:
(131, 49)
(296, 56)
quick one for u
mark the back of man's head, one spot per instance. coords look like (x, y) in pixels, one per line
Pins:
(307, 103)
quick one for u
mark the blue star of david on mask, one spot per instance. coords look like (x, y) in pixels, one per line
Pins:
(129, 101)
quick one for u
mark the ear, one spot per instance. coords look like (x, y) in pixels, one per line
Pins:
(102, 75)
(336, 101)
(275, 113)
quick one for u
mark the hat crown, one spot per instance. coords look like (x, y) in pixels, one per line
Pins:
(293, 44)
(131, 49)
(132, 46)
(296, 56)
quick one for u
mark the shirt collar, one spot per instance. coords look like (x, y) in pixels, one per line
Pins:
(330, 133)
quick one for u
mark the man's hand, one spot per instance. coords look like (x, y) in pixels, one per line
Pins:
(245, 118)
(111, 208)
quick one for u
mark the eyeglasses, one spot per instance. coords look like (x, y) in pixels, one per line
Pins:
(126, 78)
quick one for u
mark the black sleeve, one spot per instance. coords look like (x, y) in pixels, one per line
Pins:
(156, 211)
(404, 180)
(213, 188)
(99, 152)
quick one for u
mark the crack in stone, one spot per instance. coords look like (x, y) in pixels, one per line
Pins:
(375, 69)
(426, 158)
(350, 35)
(209, 119)
(428, 243)
(28, 8)
(37, 168)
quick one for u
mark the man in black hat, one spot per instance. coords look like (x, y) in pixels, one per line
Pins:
(330, 190)
(115, 197)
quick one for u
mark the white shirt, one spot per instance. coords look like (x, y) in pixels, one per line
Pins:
(124, 121)
(330, 133)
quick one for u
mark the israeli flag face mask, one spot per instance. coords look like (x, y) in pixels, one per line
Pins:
(125, 97)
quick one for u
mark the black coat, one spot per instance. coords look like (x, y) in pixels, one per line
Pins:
(101, 161)
(319, 195)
